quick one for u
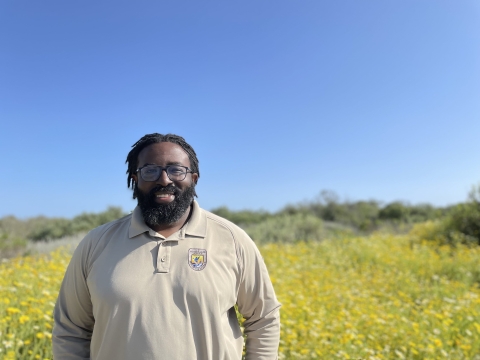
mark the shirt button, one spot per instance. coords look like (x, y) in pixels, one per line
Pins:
(163, 259)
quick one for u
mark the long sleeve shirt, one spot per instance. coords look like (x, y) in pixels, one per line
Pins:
(129, 293)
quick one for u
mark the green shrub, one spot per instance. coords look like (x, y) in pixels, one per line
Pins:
(359, 216)
(11, 246)
(52, 229)
(59, 227)
(465, 219)
(394, 211)
(87, 221)
(424, 212)
(243, 217)
(362, 215)
(430, 231)
(461, 226)
(287, 229)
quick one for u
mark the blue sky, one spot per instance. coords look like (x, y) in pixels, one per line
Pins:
(281, 99)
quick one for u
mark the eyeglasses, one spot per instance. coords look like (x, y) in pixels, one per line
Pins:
(153, 172)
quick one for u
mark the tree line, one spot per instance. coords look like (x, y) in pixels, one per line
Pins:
(326, 215)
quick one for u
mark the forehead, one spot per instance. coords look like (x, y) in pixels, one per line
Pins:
(163, 154)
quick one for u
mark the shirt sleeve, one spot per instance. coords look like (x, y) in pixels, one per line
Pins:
(259, 306)
(73, 316)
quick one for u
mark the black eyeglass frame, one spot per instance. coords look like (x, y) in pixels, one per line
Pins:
(162, 168)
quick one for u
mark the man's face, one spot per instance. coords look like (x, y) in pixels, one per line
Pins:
(164, 201)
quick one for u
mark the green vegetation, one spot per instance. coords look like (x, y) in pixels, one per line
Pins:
(58, 228)
(460, 226)
(11, 246)
(15, 233)
(244, 217)
(325, 217)
(328, 217)
(287, 229)
(361, 217)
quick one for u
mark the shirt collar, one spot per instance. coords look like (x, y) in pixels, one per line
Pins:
(137, 224)
(196, 225)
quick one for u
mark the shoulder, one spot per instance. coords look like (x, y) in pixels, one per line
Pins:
(220, 221)
(217, 223)
(98, 238)
(104, 229)
(107, 228)
(219, 227)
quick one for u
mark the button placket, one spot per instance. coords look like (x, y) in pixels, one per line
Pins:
(163, 257)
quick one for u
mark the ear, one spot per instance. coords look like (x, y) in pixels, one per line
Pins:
(135, 178)
(195, 178)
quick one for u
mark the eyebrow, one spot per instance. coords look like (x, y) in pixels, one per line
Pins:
(169, 163)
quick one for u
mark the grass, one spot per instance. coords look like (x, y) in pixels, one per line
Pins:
(376, 297)
(379, 297)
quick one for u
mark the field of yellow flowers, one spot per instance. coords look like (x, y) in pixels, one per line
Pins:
(377, 297)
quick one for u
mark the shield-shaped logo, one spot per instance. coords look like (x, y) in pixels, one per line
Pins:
(197, 259)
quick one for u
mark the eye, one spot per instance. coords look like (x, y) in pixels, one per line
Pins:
(150, 170)
(176, 170)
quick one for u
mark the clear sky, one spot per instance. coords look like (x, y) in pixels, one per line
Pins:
(280, 99)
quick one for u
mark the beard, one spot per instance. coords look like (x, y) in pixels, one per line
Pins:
(159, 214)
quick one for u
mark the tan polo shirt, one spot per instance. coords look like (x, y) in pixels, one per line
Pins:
(129, 294)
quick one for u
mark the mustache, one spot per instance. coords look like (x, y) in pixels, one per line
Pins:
(171, 189)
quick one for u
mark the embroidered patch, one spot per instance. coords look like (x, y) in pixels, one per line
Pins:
(197, 259)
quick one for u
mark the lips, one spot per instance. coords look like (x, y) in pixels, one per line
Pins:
(162, 190)
(164, 194)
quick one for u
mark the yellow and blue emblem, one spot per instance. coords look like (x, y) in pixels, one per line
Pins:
(197, 259)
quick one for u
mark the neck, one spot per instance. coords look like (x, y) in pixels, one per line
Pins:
(168, 229)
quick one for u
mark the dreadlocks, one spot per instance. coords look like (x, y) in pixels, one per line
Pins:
(132, 157)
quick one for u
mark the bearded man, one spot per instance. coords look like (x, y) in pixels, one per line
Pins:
(163, 282)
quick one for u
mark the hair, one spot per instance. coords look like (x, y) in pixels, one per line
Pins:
(132, 157)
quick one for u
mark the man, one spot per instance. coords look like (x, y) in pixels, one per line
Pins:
(162, 282)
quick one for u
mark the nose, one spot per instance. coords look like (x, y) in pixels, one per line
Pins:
(163, 180)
